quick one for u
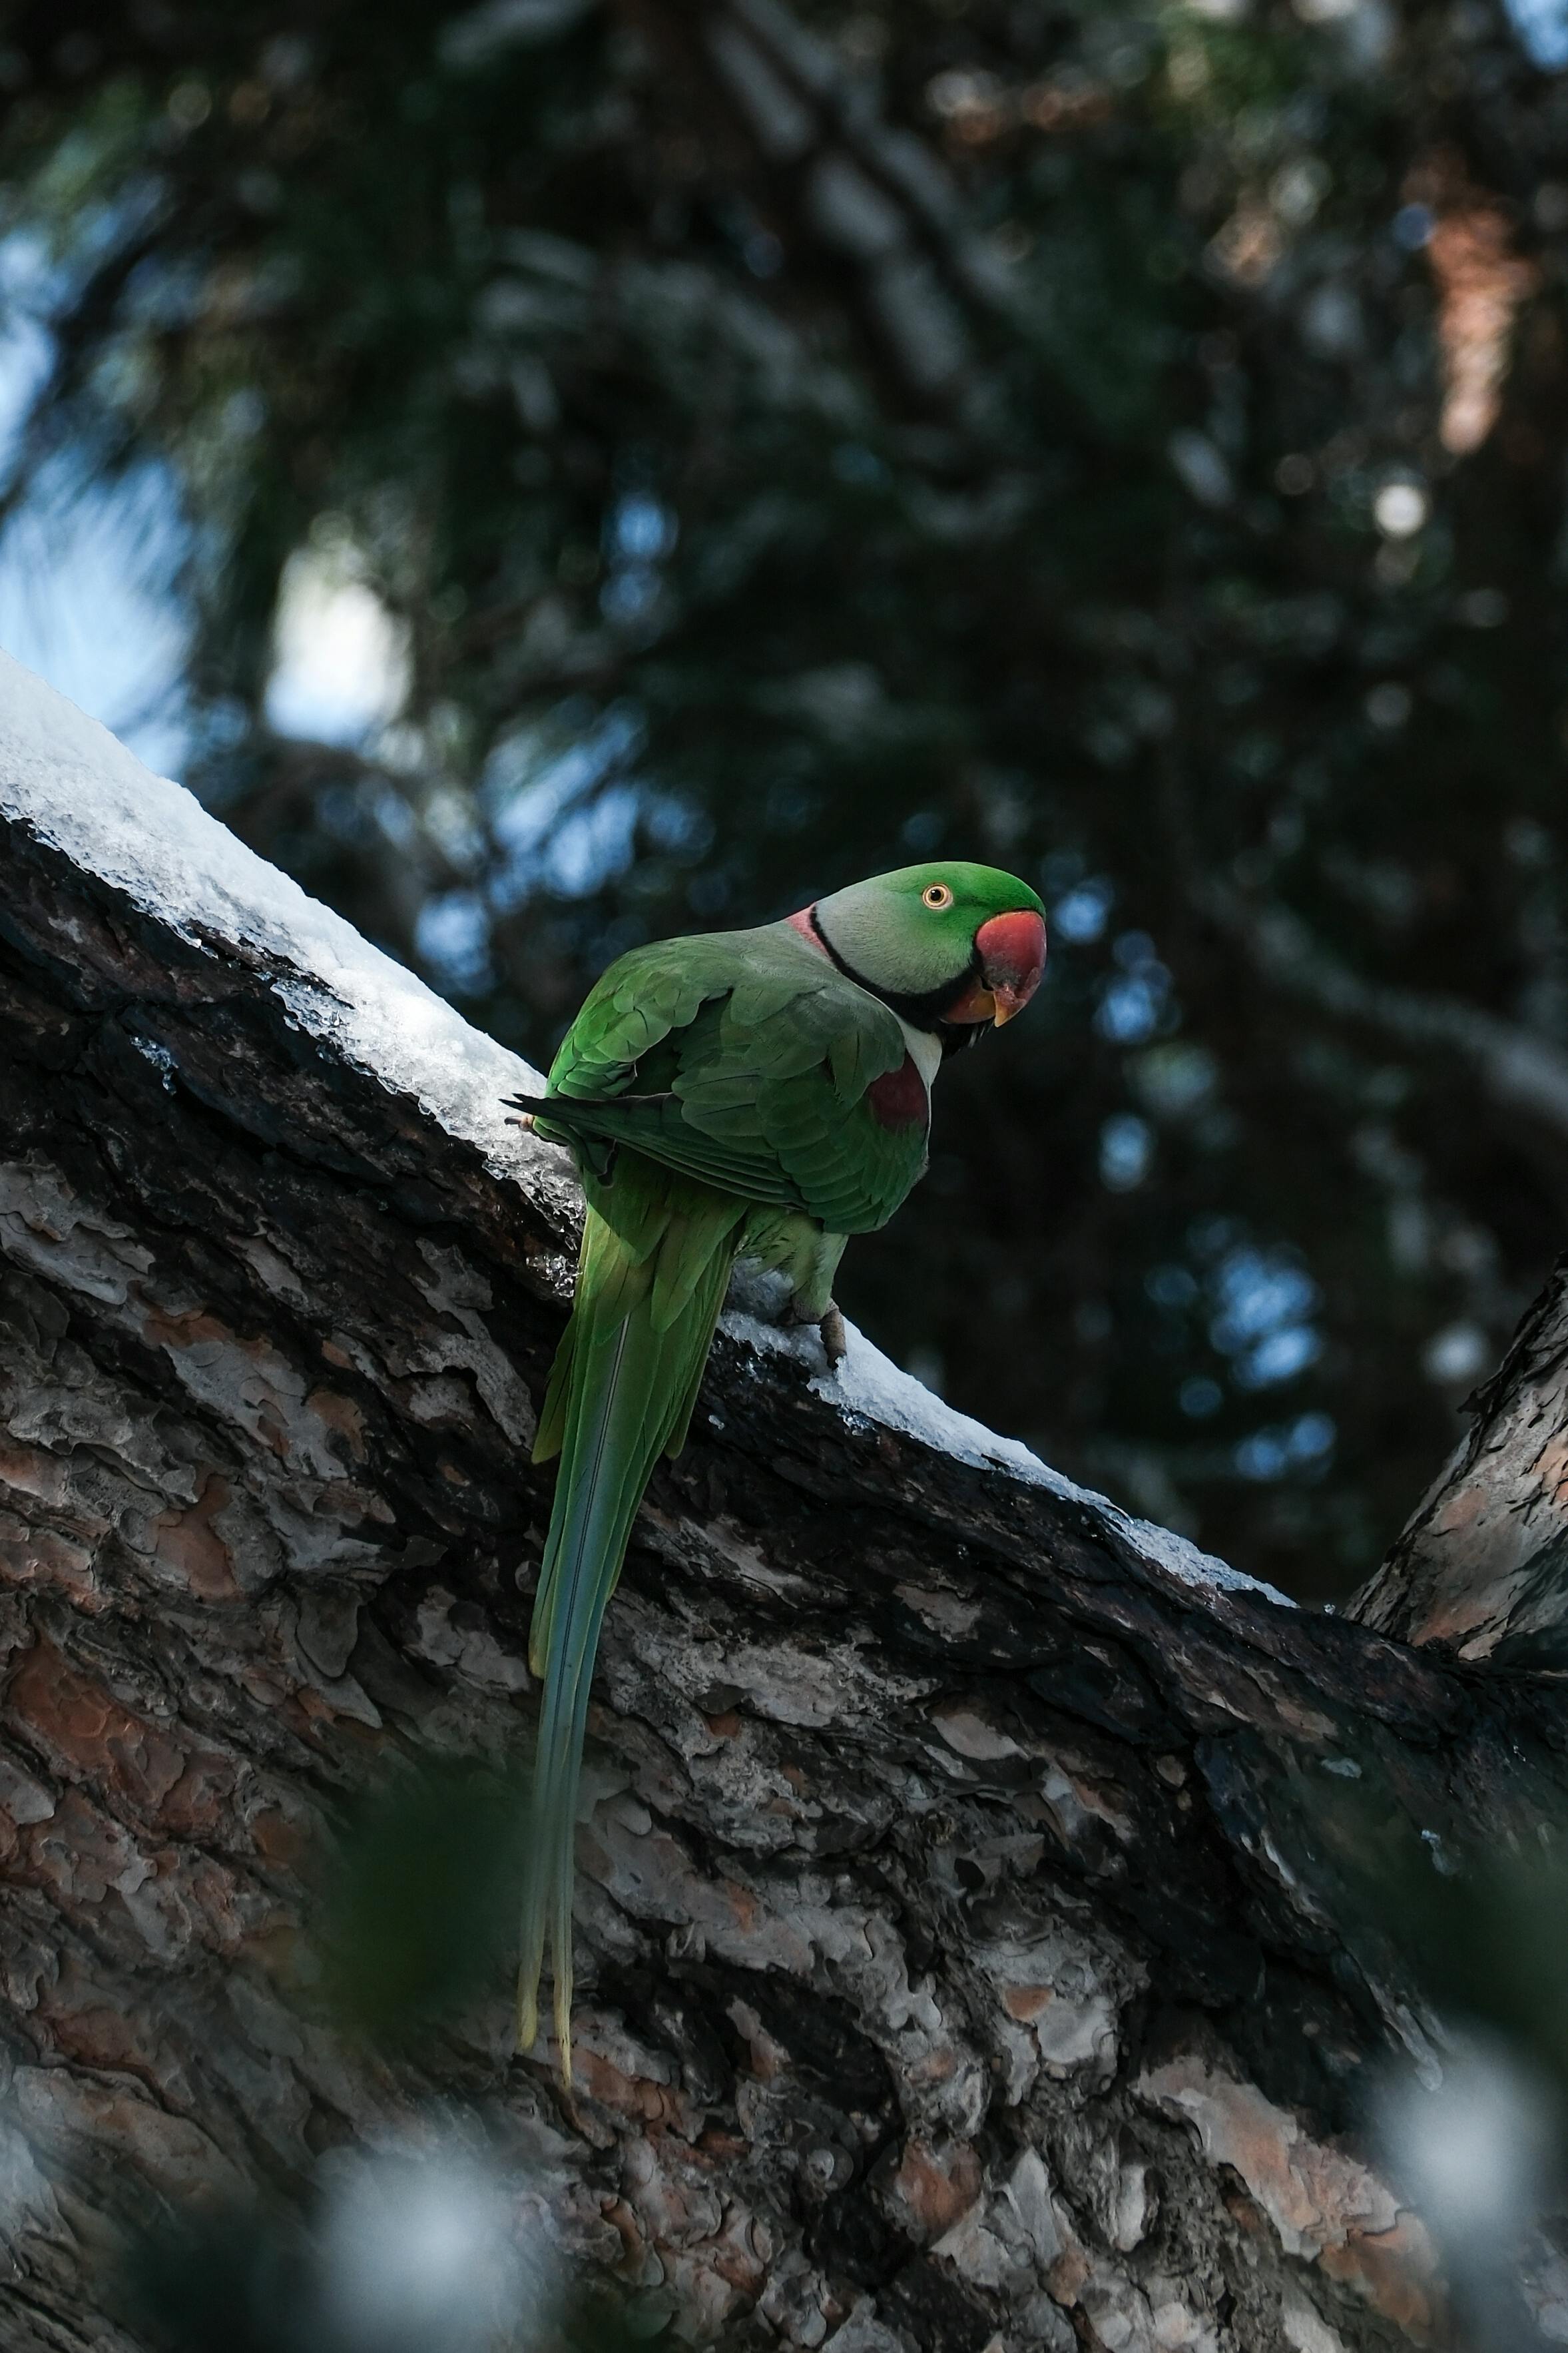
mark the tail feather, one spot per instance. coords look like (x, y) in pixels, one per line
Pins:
(657, 1252)
(551, 1431)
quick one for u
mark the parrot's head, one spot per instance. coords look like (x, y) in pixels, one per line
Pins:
(950, 946)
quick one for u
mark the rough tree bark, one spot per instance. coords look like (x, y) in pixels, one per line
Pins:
(1480, 1566)
(960, 1962)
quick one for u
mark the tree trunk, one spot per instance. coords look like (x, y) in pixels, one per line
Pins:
(1480, 1566)
(960, 1959)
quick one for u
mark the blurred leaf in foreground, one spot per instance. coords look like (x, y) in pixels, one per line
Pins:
(419, 1907)
(426, 2251)
(1475, 2135)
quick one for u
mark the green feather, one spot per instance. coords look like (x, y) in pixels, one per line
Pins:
(656, 1253)
(758, 1084)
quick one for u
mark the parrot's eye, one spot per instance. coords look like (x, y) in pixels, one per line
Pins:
(937, 895)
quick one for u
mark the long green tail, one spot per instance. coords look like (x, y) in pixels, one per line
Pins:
(655, 1257)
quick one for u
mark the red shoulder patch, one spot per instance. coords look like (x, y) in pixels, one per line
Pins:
(899, 1098)
(801, 922)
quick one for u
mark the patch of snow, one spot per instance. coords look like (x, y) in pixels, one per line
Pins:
(82, 791)
(1185, 1560)
(869, 1386)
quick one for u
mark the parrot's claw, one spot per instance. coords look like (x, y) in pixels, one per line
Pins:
(523, 1119)
(829, 1328)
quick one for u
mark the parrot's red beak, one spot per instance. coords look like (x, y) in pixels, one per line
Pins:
(1012, 959)
(1012, 951)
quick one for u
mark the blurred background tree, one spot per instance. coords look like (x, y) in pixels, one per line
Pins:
(618, 468)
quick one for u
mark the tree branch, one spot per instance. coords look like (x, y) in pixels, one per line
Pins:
(1483, 1564)
(872, 195)
(961, 1953)
(1517, 1067)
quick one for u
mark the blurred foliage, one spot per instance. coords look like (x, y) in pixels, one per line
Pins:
(1123, 441)
(1479, 1930)
(261, 2280)
(1472, 2128)
(417, 1908)
(233, 2281)
(433, 2242)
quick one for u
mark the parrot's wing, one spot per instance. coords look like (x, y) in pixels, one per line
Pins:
(633, 1007)
(822, 1088)
(745, 1059)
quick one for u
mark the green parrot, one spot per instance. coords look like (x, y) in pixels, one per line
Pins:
(755, 1093)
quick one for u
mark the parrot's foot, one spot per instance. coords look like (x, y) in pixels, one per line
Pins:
(522, 1119)
(830, 1327)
